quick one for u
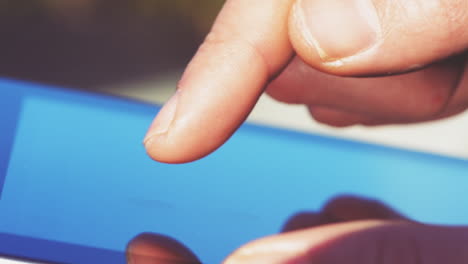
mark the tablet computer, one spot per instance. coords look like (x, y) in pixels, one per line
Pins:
(76, 184)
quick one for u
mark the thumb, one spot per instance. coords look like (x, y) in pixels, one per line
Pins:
(373, 37)
(360, 242)
(247, 45)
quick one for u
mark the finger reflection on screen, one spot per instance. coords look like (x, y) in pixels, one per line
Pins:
(150, 248)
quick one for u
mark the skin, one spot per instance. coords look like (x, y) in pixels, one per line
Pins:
(347, 230)
(421, 43)
(149, 248)
(357, 231)
(410, 66)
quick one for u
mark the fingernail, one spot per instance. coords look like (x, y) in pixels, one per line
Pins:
(338, 28)
(163, 120)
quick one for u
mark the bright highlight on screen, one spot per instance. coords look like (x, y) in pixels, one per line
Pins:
(6, 261)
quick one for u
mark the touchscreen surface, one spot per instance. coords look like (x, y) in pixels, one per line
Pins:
(76, 177)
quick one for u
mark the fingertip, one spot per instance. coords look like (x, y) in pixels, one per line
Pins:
(375, 37)
(163, 149)
(149, 248)
(224, 80)
(332, 35)
(217, 92)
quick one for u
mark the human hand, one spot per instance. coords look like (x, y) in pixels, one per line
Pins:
(307, 52)
(357, 231)
(347, 230)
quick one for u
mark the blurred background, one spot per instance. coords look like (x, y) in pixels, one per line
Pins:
(138, 49)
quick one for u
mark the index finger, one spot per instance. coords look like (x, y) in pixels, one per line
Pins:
(247, 45)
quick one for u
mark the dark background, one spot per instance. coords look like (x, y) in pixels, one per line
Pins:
(89, 43)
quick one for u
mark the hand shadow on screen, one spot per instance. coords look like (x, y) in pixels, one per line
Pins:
(150, 248)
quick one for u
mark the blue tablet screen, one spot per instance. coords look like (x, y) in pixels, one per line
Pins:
(75, 177)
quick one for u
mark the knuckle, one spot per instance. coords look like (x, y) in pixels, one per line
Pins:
(212, 40)
(427, 105)
(233, 43)
(326, 118)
